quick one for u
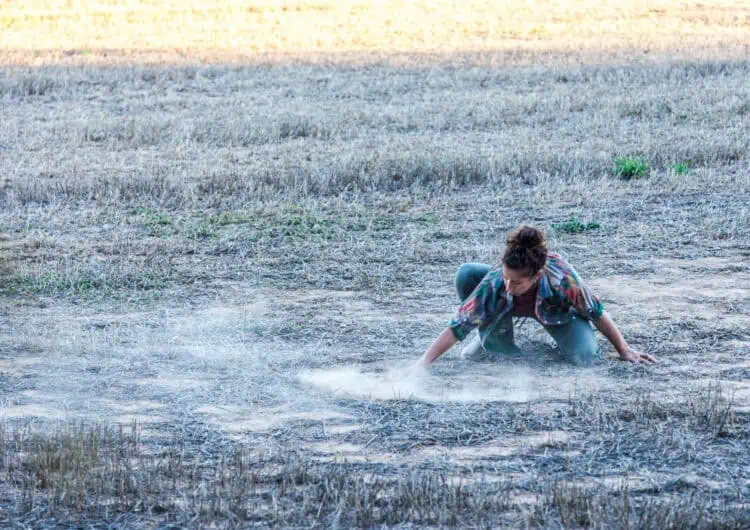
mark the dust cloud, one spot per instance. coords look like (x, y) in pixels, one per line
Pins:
(515, 385)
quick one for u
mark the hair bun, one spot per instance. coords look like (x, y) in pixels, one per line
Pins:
(526, 237)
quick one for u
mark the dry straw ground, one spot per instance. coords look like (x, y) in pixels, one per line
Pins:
(221, 245)
(236, 29)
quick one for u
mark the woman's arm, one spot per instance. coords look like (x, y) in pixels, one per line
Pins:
(609, 330)
(442, 344)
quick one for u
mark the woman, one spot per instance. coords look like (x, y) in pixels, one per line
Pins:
(529, 282)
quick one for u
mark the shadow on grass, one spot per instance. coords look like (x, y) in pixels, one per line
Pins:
(94, 472)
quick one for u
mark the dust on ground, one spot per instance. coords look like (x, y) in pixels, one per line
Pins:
(212, 363)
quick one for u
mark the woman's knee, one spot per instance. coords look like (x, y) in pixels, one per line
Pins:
(584, 353)
(468, 277)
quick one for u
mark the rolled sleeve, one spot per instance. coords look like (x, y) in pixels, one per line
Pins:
(458, 330)
(475, 311)
(581, 297)
(594, 309)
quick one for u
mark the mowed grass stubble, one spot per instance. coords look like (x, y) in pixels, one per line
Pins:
(180, 240)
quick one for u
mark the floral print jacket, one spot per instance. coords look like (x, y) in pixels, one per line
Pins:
(560, 293)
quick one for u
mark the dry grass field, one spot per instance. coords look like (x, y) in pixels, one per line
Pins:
(235, 31)
(226, 234)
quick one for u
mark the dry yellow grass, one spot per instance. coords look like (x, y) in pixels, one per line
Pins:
(234, 30)
(183, 244)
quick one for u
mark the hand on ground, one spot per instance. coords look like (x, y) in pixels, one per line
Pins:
(417, 369)
(635, 356)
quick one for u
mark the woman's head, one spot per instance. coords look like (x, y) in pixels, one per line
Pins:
(524, 259)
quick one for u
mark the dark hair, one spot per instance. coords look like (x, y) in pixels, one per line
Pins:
(526, 250)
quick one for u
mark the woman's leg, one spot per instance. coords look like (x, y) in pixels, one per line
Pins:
(498, 337)
(576, 340)
(468, 277)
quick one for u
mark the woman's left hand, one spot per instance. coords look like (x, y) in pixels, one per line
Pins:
(635, 356)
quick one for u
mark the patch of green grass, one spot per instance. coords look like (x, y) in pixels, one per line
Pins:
(147, 282)
(162, 231)
(51, 283)
(152, 217)
(427, 219)
(158, 223)
(680, 168)
(231, 218)
(78, 283)
(630, 167)
(297, 226)
(295, 222)
(306, 226)
(575, 226)
(200, 231)
(382, 222)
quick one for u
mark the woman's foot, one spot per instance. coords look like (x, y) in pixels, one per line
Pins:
(474, 351)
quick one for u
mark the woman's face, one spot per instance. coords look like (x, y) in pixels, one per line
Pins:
(517, 282)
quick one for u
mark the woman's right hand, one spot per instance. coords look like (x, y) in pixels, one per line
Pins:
(445, 340)
(419, 368)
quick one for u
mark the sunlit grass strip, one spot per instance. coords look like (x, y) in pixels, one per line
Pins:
(326, 25)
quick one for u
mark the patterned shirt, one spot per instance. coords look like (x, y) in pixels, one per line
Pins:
(559, 291)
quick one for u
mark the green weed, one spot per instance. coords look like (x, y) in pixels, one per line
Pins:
(575, 226)
(200, 231)
(294, 222)
(629, 167)
(158, 223)
(152, 217)
(305, 226)
(231, 218)
(381, 223)
(427, 219)
(680, 168)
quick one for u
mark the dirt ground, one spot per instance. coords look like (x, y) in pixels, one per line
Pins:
(215, 279)
(307, 353)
